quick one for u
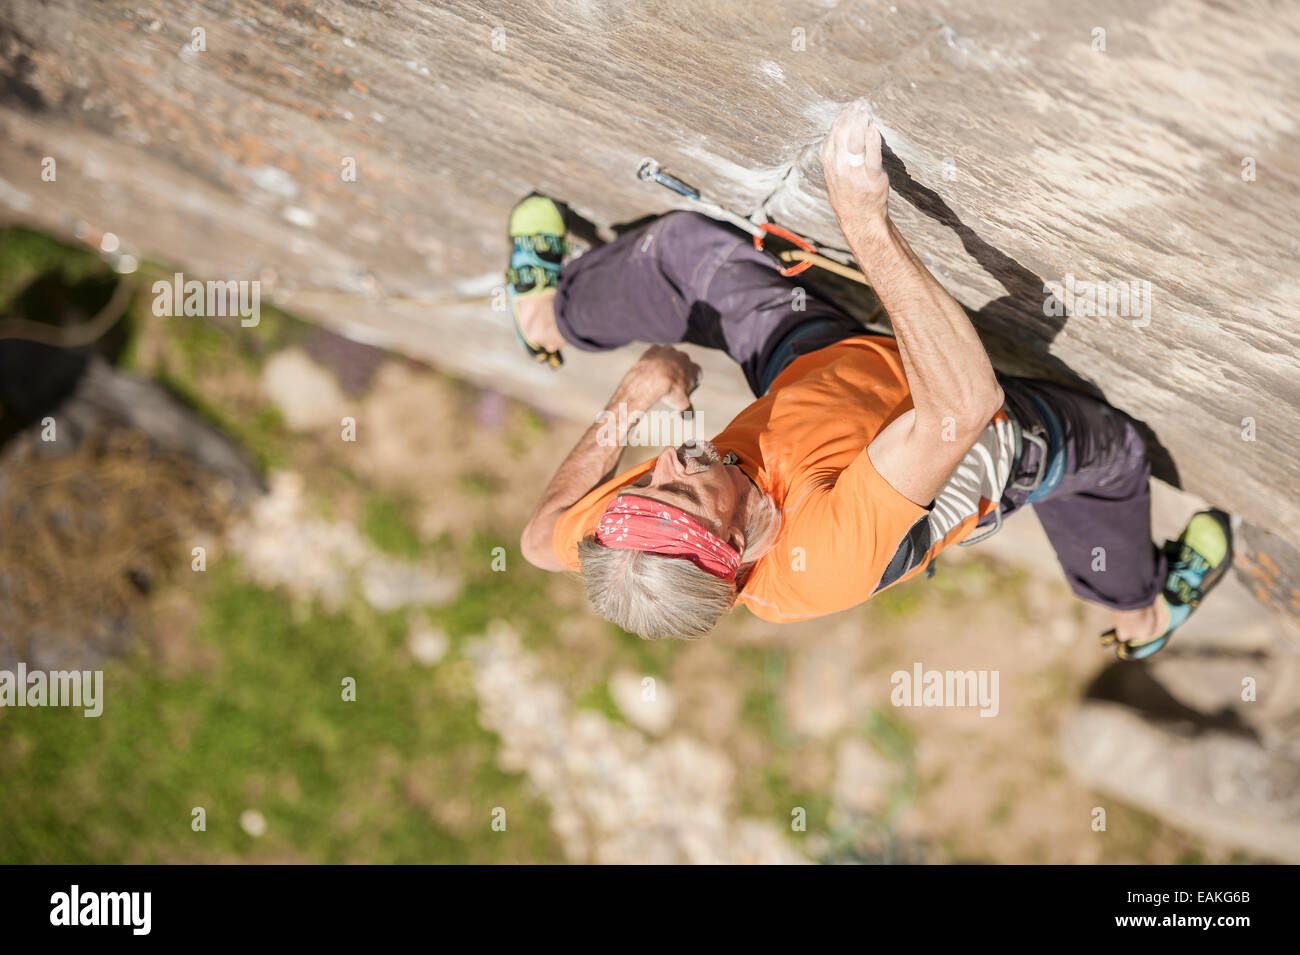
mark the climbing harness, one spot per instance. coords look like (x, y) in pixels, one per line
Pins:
(1047, 472)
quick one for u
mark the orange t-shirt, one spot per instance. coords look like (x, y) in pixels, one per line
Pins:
(804, 444)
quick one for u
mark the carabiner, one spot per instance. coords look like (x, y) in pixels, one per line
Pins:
(790, 237)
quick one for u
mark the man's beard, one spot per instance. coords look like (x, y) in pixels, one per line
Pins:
(698, 455)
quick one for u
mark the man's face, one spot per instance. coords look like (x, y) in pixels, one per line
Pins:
(692, 477)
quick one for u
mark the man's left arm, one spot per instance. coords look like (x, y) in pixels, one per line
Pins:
(954, 390)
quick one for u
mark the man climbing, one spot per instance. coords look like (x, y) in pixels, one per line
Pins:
(863, 456)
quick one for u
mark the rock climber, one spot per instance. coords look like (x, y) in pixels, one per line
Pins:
(863, 455)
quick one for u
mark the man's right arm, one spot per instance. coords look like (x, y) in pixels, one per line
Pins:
(662, 372)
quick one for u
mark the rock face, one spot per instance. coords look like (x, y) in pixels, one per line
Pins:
(352, 154)
(1222, 785)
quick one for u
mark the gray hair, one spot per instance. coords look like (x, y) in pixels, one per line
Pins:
(658, 596)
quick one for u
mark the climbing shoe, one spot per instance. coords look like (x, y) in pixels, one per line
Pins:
(537, 247)
(1197, 562)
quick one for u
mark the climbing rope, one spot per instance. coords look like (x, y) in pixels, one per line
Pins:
(76, 336)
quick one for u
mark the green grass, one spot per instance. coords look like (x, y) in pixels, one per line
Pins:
(761, 705)
(766, 789)
(262, 434)
(769, 794)
(517, 594)
(598, 698)
(479, 484)
(25, 255)
(265, 727)
(385, 520)
(893, 739)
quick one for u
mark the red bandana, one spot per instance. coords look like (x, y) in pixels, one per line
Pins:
(638, 523)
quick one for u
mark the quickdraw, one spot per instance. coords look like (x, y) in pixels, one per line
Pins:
(805, 254)
(791, 237)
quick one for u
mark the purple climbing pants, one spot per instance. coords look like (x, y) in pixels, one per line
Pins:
(684, 277)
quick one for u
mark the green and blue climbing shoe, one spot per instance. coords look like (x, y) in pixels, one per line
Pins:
(1197, 562)
(537, 247)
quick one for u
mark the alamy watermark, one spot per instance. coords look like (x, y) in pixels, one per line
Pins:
(130, 909)
(83, 688)
(922, 687)
(1114, 299)
(213, 299)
